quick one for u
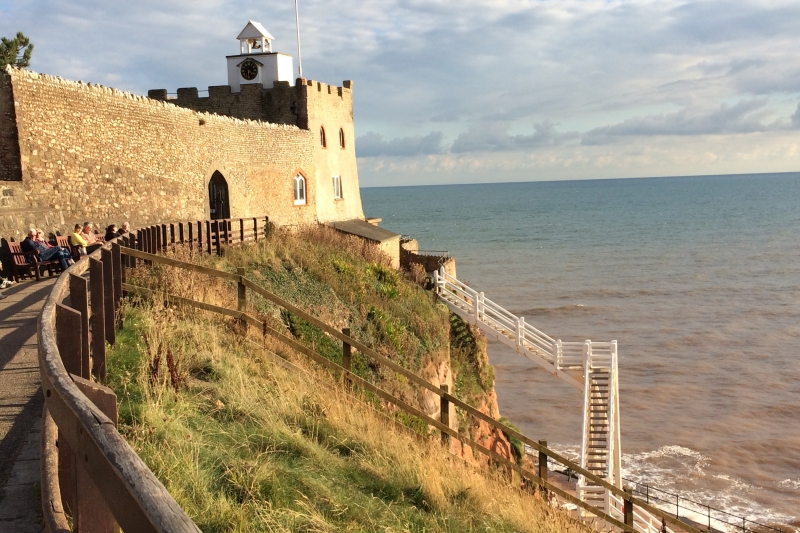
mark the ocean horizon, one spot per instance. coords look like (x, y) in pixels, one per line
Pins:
(696, 277)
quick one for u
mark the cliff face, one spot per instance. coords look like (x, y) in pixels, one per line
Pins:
(347, 285)
(474, 383)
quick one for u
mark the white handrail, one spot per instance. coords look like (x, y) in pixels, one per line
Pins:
(565, 360)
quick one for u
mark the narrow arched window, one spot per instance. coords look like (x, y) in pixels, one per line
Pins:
(299, 190)
(322, 141)
(341, 138)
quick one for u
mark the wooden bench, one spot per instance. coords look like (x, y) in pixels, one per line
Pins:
(63, 241)
(21, 268)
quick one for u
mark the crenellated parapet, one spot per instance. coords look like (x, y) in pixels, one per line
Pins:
(281, 104)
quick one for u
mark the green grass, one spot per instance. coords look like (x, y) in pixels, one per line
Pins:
(246, 445)
(345, 283)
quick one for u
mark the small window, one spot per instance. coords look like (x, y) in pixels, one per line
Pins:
(322, 141)
(337, 187)
(299, 190)
(341, 138)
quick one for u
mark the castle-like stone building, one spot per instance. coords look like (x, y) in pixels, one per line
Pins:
(264, 144)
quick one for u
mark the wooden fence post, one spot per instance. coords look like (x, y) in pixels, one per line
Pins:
(444, 414)
(98, 319)
(79, 301)
(208, 236)
(255, 229)
(347, 359)
(108, 295)
(68, 340)
(216, 236)
(199, 237)
(131, 244)
(159, 241)
(164, 239)
(118, 272)
(172, 233)
(628, 508)
(242, 295)
(241, 230)
(123, 271)
(180, 233)
(228, 230)
(93, 514)
(543, 464)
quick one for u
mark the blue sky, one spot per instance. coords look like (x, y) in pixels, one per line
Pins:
(478, 91)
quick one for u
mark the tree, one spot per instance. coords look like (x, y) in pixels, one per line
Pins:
(10, 50)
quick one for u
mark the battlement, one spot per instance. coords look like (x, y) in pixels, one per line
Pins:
(281, 104)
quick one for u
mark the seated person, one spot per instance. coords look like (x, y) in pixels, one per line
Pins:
(126, 228)
(91, 240)
(40, 238)
(46, 254)
(77, 240)
(111, 232)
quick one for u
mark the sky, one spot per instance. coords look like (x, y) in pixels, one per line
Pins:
(481, 91)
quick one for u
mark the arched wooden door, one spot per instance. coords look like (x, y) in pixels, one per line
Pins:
(218, 197)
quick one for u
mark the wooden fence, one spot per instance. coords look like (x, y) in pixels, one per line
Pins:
(96, 474)
(89, 473)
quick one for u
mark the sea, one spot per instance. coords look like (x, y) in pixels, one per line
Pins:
(696, 278)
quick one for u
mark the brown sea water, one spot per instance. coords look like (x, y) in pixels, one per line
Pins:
(697, 278)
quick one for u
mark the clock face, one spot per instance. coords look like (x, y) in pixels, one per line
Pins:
(249, 70)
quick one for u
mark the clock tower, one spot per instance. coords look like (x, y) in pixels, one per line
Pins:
(256, 62)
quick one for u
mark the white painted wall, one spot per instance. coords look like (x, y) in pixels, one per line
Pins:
(276, 67)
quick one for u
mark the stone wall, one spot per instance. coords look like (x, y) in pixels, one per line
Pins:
(91, 152)
(409, 253)
(309, 105)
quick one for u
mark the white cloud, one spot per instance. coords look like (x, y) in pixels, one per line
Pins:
(495, 138)
(617, 72)
(372, 145)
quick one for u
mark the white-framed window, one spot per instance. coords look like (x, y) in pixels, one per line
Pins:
(299, 190)
(337, 187)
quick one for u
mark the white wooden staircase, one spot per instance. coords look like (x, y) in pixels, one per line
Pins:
(589, 366)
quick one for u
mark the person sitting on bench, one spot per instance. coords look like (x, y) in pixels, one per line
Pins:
(111, 232)
(77, 240)
(54, 253)
(40, 238)
(91, 240)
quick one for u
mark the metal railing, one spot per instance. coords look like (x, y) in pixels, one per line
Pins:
(700, 513)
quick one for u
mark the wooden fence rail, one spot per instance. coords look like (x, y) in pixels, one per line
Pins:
(349, 343)
(89, 473)
(93, 475)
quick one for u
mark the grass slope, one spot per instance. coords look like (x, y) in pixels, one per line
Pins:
(245, 445)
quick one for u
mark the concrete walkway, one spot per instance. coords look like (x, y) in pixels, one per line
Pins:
(20, 407)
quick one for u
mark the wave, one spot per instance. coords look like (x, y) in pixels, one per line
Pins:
(675, 470)
(678, 470)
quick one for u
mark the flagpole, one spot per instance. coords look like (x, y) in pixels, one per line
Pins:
(299, 57)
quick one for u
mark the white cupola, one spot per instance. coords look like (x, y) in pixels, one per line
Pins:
(255, 39)
(256, 63)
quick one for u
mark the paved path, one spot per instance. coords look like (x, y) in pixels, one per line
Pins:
(20, 407)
